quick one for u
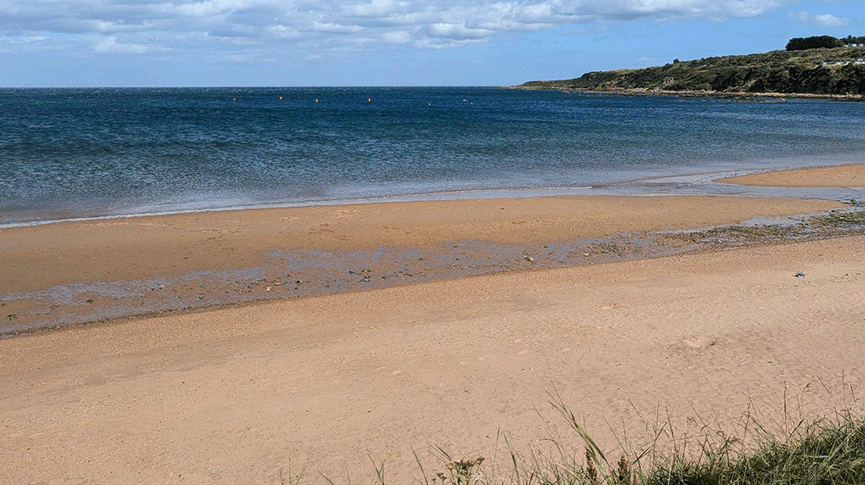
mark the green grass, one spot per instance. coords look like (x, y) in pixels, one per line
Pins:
(821, 452)
(825, 452)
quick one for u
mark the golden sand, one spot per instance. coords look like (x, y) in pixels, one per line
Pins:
(238, 394)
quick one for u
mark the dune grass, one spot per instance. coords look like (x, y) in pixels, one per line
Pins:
(793, 451)
(829, 451)
(822, 452)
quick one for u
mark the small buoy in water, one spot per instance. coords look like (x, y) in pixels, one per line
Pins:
(316, 100)
(280, 98)
(369, 100)
(234, 99)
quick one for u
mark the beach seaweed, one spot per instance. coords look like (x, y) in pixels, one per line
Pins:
(841, 219)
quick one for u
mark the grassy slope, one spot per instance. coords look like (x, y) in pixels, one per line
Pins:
(798, 72)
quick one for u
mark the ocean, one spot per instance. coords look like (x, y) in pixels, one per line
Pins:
(86, 153)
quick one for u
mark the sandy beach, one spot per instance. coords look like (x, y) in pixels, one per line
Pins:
(839, 176)
(324, 382)
(77, 272)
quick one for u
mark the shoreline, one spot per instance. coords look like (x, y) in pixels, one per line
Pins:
(691, 93)
(710, 184)
(748, 317)
(81, 272)
(74, 273)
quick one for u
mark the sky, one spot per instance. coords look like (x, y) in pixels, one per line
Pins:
(100, 43)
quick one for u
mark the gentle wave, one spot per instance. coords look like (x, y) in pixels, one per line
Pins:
(86, 153)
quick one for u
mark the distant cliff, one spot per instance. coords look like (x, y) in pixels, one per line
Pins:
(830, 71)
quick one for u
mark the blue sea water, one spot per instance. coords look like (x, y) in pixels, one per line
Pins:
(77, 153)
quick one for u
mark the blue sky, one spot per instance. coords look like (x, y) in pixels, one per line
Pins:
(385, 42)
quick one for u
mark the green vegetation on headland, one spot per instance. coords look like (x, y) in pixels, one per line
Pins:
(822, 41)
(829, 72)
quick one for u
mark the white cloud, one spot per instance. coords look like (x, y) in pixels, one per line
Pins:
(109, 45)
(27, 39)
(829, 20)
(823, 20)
(20, 44)
(204, 27)
(377, 8)
(457, 31)
(397, 37)
(334, 28)
(283, 31)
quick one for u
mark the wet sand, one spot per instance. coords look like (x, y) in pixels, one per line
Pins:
(316, 383)
(76, 272)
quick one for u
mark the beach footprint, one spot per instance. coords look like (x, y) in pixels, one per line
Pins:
(700, 342)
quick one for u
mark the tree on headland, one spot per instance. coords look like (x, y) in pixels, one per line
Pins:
(853, 40)
(816, 42)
